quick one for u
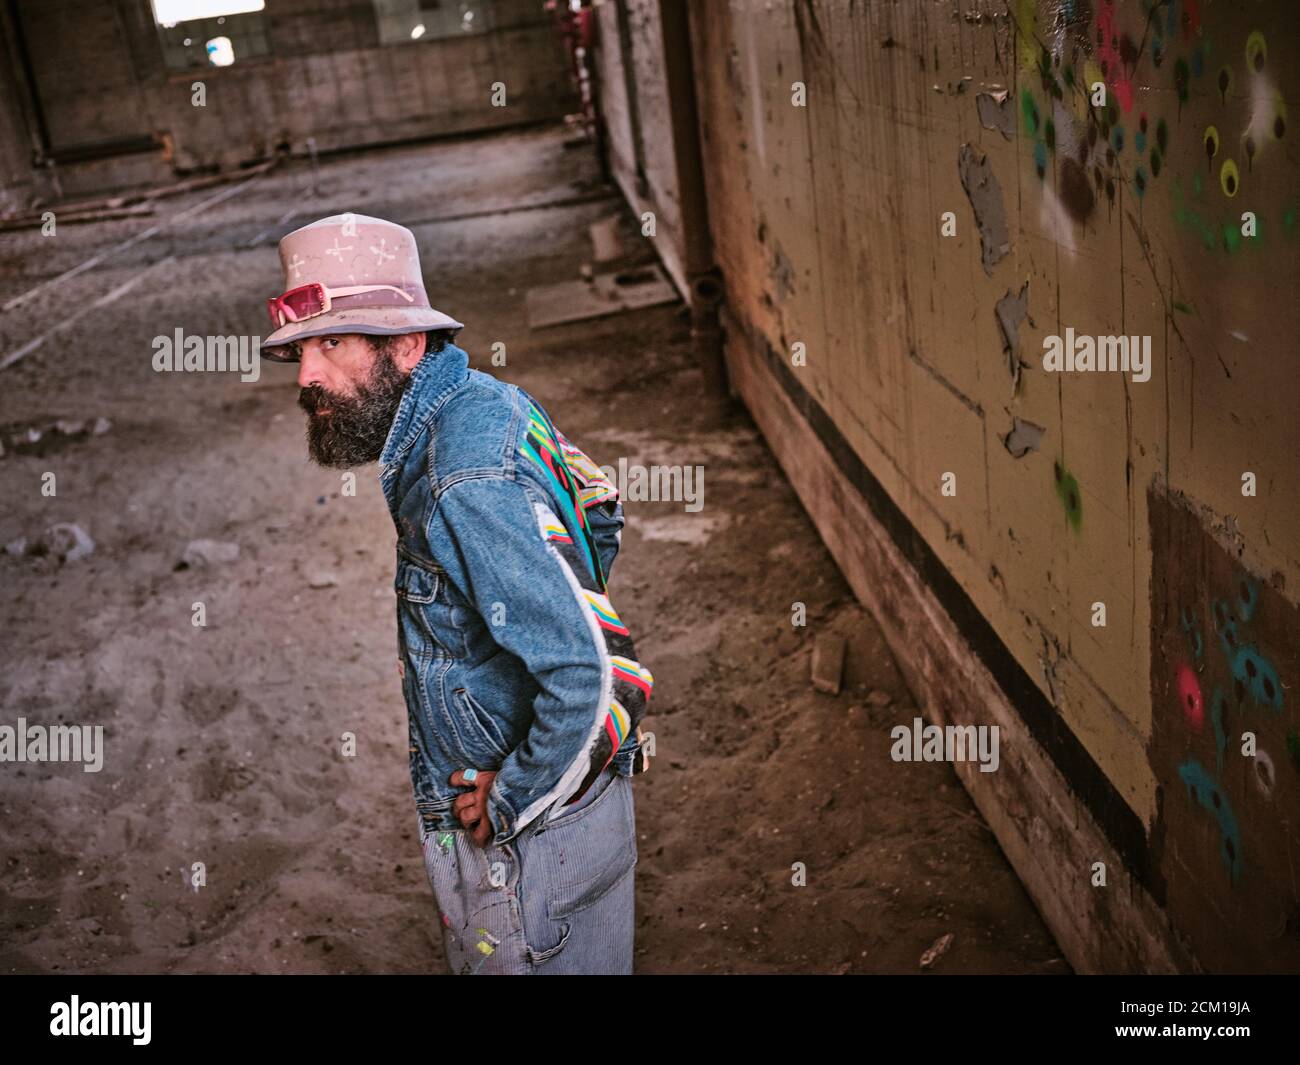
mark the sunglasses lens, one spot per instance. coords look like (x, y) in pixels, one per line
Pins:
(304, 302)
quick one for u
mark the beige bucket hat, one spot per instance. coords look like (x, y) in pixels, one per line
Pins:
(350, 273)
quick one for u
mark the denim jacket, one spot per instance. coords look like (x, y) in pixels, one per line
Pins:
(511, 655)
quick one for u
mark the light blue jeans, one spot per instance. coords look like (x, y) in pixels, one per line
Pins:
(558, 899)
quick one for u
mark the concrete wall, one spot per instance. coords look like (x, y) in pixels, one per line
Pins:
(17, 180)
(895, 254)
(101, 72)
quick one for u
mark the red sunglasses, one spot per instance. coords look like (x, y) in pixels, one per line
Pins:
(307, 301)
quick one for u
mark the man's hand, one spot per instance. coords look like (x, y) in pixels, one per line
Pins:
(471, 808)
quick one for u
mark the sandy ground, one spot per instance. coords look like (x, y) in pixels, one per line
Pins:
(223, 741)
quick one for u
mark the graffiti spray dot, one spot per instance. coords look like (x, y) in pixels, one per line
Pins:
(1067, 489)
(1256, 52)
(1029, 111)
(1247, 599)
(1190, 698)
(1279, 116)
(1228, 178)
(1225, 83)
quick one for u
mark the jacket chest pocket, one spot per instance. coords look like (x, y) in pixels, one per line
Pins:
(431, 623)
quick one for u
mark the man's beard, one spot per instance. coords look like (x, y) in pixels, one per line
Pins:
(356, 428)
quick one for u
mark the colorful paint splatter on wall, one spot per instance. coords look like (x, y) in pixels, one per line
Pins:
(1222, 645)
(1132, 49)
(1067, 490)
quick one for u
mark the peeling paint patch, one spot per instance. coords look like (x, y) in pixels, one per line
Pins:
(1011, 310)
(782, 274)
(985, 195)
(1023, 438)
(994, 112)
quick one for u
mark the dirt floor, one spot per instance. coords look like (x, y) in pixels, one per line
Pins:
(223, 741)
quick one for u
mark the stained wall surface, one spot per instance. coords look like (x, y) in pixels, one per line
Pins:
(635, 111)
(951, 190)
(16, 178)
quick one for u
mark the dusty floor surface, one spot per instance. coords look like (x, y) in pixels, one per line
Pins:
(223, 741)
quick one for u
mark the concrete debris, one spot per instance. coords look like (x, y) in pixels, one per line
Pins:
(937, 950)
(828, 663)
(41, 437)
(322, 580)
(598, 295)
(208, 552)
(68, 542)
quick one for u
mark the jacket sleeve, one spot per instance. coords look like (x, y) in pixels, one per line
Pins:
(490, 536)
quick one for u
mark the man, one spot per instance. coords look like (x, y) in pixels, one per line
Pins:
(522, 686)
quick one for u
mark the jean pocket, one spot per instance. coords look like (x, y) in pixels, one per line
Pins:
(582, 856)
(475, 715)
(586, 893)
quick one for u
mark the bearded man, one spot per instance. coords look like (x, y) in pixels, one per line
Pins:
(523, 692)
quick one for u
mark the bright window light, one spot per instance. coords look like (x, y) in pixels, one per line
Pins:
(221, 52)
(170, 12)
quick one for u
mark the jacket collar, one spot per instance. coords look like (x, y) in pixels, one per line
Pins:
(433, 379)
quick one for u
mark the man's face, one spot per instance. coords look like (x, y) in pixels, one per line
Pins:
(351, 393)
